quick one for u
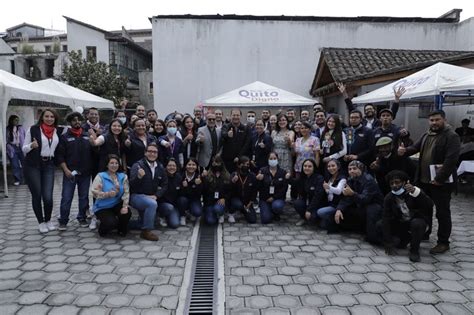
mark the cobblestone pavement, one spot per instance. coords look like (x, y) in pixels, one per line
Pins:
(284, 269)
(77, 272)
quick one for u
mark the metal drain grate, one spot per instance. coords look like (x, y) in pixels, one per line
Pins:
(203, 289)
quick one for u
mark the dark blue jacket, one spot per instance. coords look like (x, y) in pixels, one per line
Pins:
(279, 182)
(75, 152)
(246, 191)
(366, 192)
(148, 185)
(136, 151)
(312, 191)
(377, 123)
(393, 132)
(360, 142)
(260, 155)
(218, 185)
(174, 189)
(193, 191)
(172, 152)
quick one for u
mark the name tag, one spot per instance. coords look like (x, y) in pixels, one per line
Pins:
(253, 157)
(311, 188)
(361, 135)
(272, 190)
(70, 139)
(216, 195)
(280, 179)
(177, 188)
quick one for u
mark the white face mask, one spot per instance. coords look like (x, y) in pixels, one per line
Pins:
(272, 163)
(172, 130)
(123, 120)
(398, 192)
(251, 120)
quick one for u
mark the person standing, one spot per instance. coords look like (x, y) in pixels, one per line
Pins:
(283, 139)
(15, 141)
(261, 146)
(40, 145)
(208, 141)
(359, 140)
(439, 151)
(73, 156)
(236, 139)
(93, 122)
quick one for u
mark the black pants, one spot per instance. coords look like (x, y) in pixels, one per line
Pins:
(364, 219)
(441, 196)
(111, 219)
(406, 232)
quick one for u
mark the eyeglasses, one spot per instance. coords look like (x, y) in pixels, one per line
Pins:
(152, 151)
(211, 119)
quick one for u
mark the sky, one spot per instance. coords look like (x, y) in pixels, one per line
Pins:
(134, 14)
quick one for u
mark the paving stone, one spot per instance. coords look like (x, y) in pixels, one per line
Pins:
(279, 280)
(422, 309)
(313, 300)
(65, 309)
(165, 290)
(451, 297)
(111, 288)
(270, 290)
(373, 287)
(88, 300)
(286, 301)
(450, 308)
(243, 290)
(450, 285)
(36, 309)
(117, 300)
(397, 298)
(424, 297)
(342, 299)
(296, 289)
(125, 311)
(170, 302)
(138, 289)
(33, 297)
(255, 280)
(334, 310)
(258, 302)
(391, 309)
(398, 286)
(33, 285)
(146, 301)
(364, 310)
(94, 310)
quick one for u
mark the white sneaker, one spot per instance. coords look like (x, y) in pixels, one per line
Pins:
(16, 183)
(182, 221)
(50, 226)
(93, 224)
(163, 222)
(300, 222)
(43, 228)
(230, 218)
(221, 219)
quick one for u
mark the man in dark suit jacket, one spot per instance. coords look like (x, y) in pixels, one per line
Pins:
(208, 141)
(235, 141)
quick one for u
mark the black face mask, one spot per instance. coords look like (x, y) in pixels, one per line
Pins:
(217, 167)
(244, 169)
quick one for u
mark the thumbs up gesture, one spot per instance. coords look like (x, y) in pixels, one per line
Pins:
(128, 143)
(326, 186)
(185, 183)
(34, 144)
(230, 134)
(235, 178)
(259, 176)
(261, 145)
(402, 150)
(347, 191)
(141, 172)
(92, 133)
(198, 180)
(287, 175)
(409, 187)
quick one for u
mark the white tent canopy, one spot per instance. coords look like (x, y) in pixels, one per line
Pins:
(258, 94)
(463, 84)
(75, 96)
(427, 82)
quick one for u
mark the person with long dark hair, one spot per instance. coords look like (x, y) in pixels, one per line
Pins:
(137, 141)
(111, 191)
(191, 191)
(272, 187)
(261, 146)
(188, 134)
(170, 145)
(40, 145)
(311, 192)
(333, 140)
(243, 191)
(159, 129)
(216, 191)
(168, 203)
(15, 141)
(110, 143)
(283, 139)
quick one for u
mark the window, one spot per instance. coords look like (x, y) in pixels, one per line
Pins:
(112, 59)
(12, 66)
(64, 47)
(18, 34)
(47, 48)
(91, 52)
(49, 68)
(150, 88)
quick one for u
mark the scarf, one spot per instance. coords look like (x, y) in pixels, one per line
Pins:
(47, 130)
(95, 127)
(76, 132)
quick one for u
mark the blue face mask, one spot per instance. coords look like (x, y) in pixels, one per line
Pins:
(172, 130)
(272, 163)
(123, 120)
(398, 192)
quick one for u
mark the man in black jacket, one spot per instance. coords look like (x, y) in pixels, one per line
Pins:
(235, 141)
(148, 182)
(406, 214)
(359, 140)
(74, 157)
(439, 152)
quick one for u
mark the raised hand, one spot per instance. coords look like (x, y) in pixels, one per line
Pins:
(347, 191)
(402, 150)
(34, 144)
(198, 180)
(235, 178)
(259, 176)
(341, 87)
(185, 183)
(409, 187)
(230, 133)
(141, 172)
(398, 93)
(326, 186)
(128, 143)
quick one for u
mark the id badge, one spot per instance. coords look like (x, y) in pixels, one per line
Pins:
(253, 157)
(216, 195)
(272, 190)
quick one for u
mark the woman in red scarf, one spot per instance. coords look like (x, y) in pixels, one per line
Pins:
(39, 147)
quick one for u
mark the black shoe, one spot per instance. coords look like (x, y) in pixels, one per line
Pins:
(414, 256)
(276, 217)
(402, 245)
(440, 248)
(83, 223)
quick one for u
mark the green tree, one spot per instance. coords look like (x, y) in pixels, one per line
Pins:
(94, 77)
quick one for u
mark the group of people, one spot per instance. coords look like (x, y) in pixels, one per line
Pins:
(356, 177)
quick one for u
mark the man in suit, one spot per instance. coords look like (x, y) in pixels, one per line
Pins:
(208, 141)
(235, 140)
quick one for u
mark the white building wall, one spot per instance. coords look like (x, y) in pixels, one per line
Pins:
(197, 59)
(80, 36)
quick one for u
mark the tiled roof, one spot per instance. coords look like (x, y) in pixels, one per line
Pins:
(350, 64)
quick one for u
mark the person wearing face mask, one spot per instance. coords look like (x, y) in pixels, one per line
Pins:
(406, 215)
(243, 191)
(310, 191)
(93, 122)
(251, 118)
(361, 205)
(170, 145)
(122, 117)
(73, 156)
(261, 146)
(272, 187)
(388, 160)
(216, 191)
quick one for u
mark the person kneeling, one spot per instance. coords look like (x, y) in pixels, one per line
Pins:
(243, 191)
(406, 214)
(111, 191)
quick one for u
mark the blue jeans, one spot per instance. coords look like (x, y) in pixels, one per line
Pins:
(300, 207)
(193, 206)
(237, 205)
(326, 214)
(69, 186)
(146, 207)
(17, 164)
(267, 209)
(168, 211)
(211, 213)
(41, 183)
